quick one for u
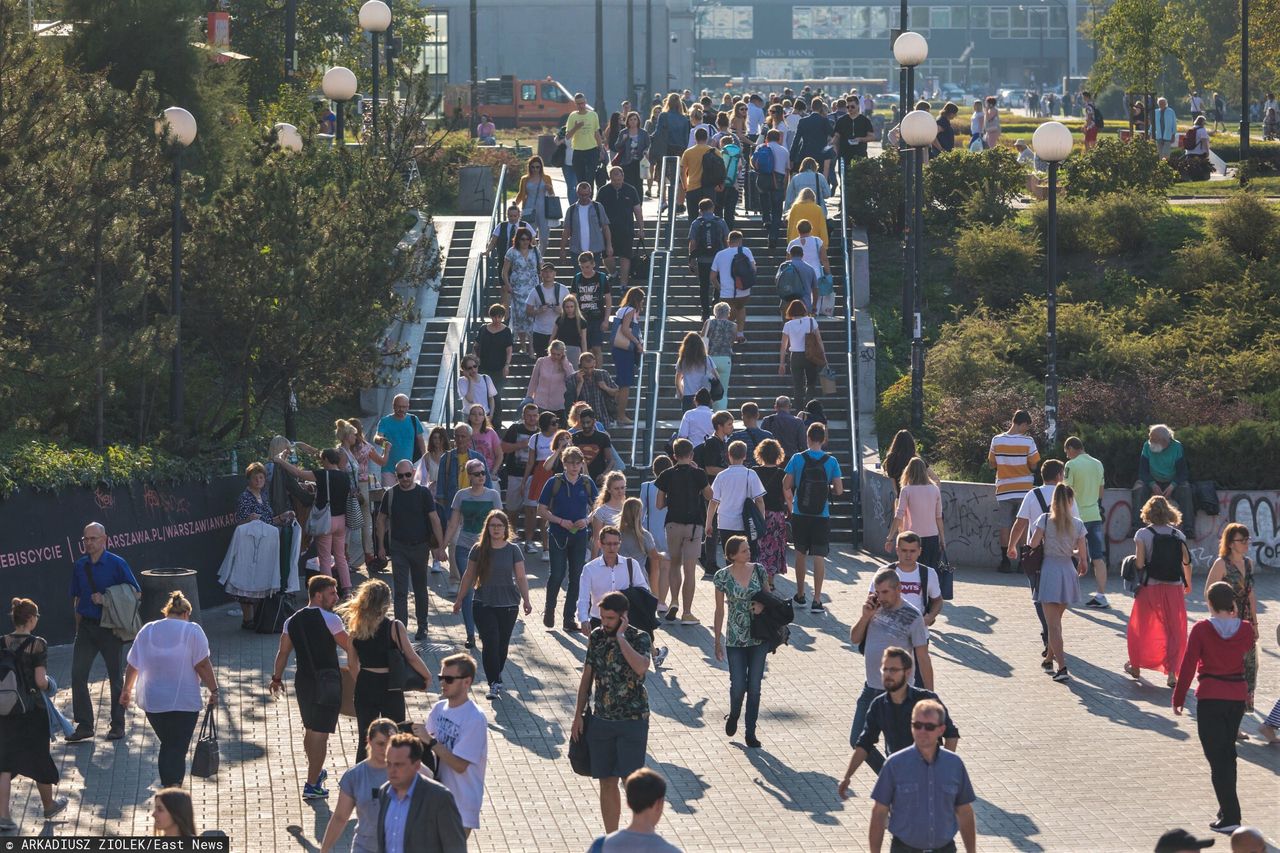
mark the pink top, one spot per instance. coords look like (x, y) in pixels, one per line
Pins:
(919, 508)
(489, 445)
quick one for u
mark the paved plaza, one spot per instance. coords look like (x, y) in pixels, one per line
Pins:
(1099, 764)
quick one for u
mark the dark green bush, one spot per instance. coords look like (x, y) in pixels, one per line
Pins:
(995, 263)
(1242, 455)
(1247, 223)
(1074, 218)
(1227, 146)
(1112, 166)
(877, 203)
(984, 184)
(1190, 168)
(1201, 262)
(1120, 223)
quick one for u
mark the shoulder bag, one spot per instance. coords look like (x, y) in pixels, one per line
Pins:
(643, 603)
(1032, 558)
(320, 521)
(717, 386)
(946, 577)
(814, 352)
(401, 676)
(328, 681)
(204, 762)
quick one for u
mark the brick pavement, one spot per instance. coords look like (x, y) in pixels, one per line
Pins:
(1100, 764)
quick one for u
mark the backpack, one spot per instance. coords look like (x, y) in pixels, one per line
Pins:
(744, 275)
(16, 696)
(1164, 563)
(790, 282)
(542, 297)
(1097, 118)
(813, 489)
(714, 172)
(1191, 139)
(708, 239)
(732, 154)
(762, 159)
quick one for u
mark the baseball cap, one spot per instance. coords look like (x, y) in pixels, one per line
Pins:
(1177, 840)
(546, 265)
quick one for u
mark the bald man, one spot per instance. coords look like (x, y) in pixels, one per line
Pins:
(1246, 839)
(402, 437)
(93, 573)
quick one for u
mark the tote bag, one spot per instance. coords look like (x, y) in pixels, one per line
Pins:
(204, 763)
(320, 521)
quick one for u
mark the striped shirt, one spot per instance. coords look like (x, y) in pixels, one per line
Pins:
(1016, 457)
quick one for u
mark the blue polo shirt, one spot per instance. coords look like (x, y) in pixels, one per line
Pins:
(922, 797)
(572, 501)
(109, 570)
(795, 468)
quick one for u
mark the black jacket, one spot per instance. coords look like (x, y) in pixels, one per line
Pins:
(771, 624)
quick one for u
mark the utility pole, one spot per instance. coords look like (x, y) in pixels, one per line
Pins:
(475, 62)
(631, 58)
(1244, 80)
(601, 110)
(290, 39)
(648, 53)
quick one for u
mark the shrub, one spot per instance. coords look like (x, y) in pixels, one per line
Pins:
(980, 185)
(964, 425)
(1240, 455)
(1120, 223)
(1227, 146)
(995, 263)
(1247, 223)
(1074, 218)
(1112, 166)
(877, 205)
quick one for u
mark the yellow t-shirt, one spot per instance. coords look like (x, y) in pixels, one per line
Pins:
(589, 123)
(691, 166)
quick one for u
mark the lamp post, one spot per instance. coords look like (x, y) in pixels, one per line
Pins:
(178, 126)
(1244, 80)
(918, 130)
(909, 49)
(1052, 143)
(339, 86)
(375, 17)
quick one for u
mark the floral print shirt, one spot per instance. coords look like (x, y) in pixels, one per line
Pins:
(737, 632)
(619, 691)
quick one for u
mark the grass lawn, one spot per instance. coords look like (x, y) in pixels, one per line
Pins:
(1269, 186)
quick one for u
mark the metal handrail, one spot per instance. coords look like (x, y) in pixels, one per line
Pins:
(651, 353)
(851, 358)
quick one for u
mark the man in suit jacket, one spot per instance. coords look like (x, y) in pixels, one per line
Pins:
(411, 806)
(786, 427)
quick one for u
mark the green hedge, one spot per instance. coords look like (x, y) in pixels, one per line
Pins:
(1228, 148)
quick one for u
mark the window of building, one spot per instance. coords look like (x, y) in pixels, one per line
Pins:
(727, 22)
(1024, 22)
(433, 61)
(840, 22)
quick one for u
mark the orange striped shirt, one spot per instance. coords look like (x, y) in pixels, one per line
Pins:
(1016, 459)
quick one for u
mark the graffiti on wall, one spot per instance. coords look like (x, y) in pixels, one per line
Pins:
(1258, 511)
(970, 519)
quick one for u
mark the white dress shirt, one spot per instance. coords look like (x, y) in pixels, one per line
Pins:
(696, 425)
(598, 580)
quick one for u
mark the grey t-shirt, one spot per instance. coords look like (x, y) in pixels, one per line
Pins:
(626, 841)
(1144, 536)
(361, 783)
(903, 626)
(500, 590)
(1057, 543)
(635, 549)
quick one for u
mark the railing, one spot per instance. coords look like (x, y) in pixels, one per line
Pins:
(444, 406)
(851, 358)
(661, 252)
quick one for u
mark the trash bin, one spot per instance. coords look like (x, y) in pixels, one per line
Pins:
(158, 584)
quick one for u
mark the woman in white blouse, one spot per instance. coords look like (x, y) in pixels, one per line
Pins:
(167, 662)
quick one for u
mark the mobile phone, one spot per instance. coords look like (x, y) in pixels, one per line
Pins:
(406, 727)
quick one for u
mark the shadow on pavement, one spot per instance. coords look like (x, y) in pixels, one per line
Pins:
(969, 653)
(795, 790)
(684, 787)
(969, 618)
(1092, 686)
(993, 820)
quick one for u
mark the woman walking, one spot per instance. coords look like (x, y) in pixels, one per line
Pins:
(777, 505)
(493, 346)
(254, 505)
(919, 510)
(361, 453)
(1062, 534)
(519, 278)
(332, 488)
(168, 661)
(991, 123)
(542, 447)
(720, 332)
(548, 383)
(631, 146)
(976, 122)
(534, 190)
(736, 584)
(1234, 567)
(1157, 632)
(693, 370)
(608, 508)
(655, 521)
(471, 506)
(375, 638)
(901, 451)
(571, 329)
(791, 355)
(24, 737)
(627, 348)
(672, 132)
(358, 792)
(495, 575)
(484, 438)
(475, 388)
(428, 468)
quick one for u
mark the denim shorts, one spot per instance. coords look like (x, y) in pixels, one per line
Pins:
(1095, 535)
(617, 747)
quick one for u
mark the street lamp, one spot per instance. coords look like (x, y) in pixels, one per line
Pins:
(918, 130)
(339, 85)
(288, 137)
(1052, 143)
(375, 17)
(179, 127)
(909, 49)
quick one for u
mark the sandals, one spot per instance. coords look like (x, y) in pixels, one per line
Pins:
(1132, 671)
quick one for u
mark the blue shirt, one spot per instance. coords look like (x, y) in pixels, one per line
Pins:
(402, 434)
(398, 817)
(111, 569)
(796, 469)
(922, 797)
(572, 502)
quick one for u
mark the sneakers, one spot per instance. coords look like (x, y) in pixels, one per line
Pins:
(80, 735)
(314, 792)
(660, 656)
(689, 619)
(1047, 665)
(1062, 675)
(420, 636)
(436, 568)
(494, 691)
(1224, 826)
(752, 742)
(549, 618)
(1098, 600)
(799, 598)
(817, 608)
(731, 724)
(471, 643)
(531, 548)
(115, 733)
(59, 804)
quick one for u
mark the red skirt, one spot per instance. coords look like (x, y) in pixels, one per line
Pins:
(1158, 627)
(537, 480)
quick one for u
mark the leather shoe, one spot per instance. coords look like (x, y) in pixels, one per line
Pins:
(80, 735)
(116, 733)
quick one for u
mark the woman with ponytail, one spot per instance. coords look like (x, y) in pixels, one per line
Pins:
(167, 663)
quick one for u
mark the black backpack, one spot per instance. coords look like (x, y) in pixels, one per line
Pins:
(744, 274)
(714, 173)
(1164, 563)
(814, 489)
(706, 235)
(1097, 118)
(16, 696)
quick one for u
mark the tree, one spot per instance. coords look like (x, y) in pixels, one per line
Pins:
(1130, 44)
(125, 38)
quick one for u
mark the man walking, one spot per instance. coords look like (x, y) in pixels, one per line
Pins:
(1085, 476)
(405, 435)
(732, 279)
(316, 632)
(730, 491)
(416, 814)
(595, 300)
(1216, 647)
(813, 477)
(565, 504)
(923, 794)
(682, 490)
(582, 132)
(543, 306)
(608, 573)
(458, 734)
(1034, 504)
(691, 167)
(409, 527)
(93, 574)
(646, 795)
(890, 713)
(623, 210)
(1013, 456)
(785, 427)
(618, 736)
(919, 583)
(887, 621)
(1166, 127)
(708, 234)
(712, 456)
(585, 227)
(751, 434)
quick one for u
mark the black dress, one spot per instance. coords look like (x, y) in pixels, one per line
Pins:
(24, 739)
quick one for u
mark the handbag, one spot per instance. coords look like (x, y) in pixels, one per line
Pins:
(328, 681)
(814, 352)
(946, 576)
(717, 387)
(579, 752)
(204, 763)
(320, 523)
(643, 604)
(400, 675)
(1031, 558)
(551, 208)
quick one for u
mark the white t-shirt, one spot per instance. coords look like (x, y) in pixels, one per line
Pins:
(584, 220)
(1030, 508)
(781, 158)
(722, 264)
(165, 653)
(796, 329)
(541, 446)
(477, 393)
(812, 251)
(332, 620)
(696, 425)
(732, 486)
(909, 583)
(465, 732)
(545, 302)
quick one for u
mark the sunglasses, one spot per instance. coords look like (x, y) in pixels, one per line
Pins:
(448, 679)
(475, 473)
(405, 476)
(925, 727)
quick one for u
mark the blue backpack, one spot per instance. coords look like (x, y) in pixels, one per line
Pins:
(762, 159)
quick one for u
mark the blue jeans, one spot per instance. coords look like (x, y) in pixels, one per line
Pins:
(771, 212)
(567, 559)
(571, 185)
(746, 672)
(874, 758)
(460, 556)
